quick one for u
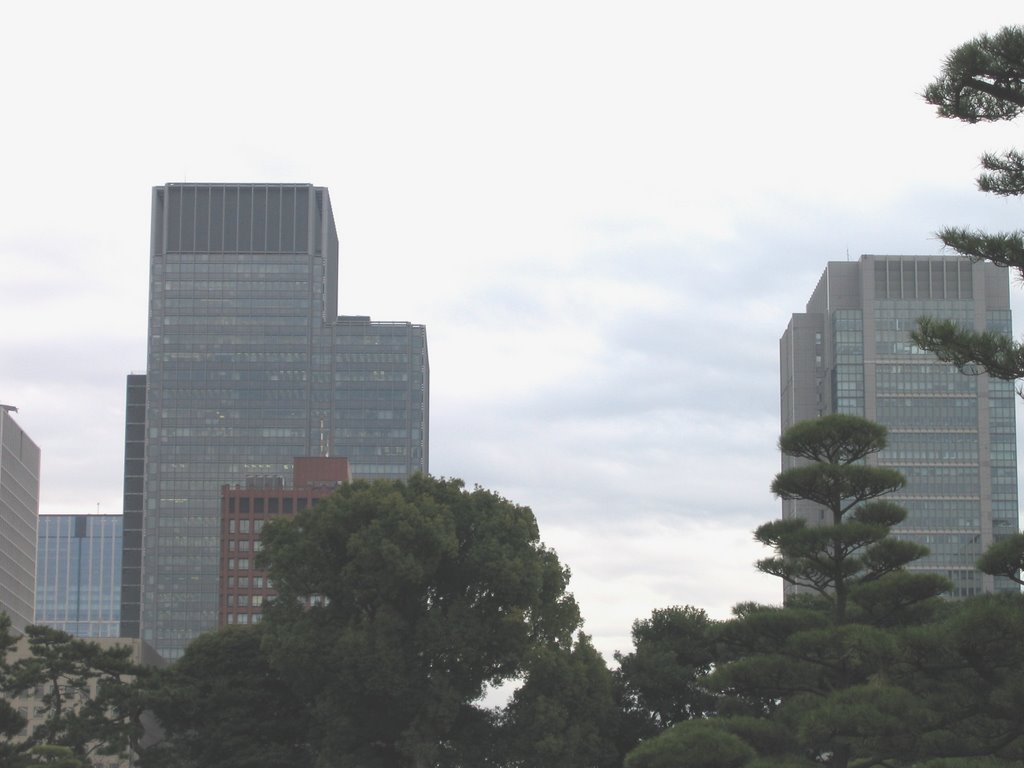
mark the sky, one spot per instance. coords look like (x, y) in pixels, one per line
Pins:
(604, 213)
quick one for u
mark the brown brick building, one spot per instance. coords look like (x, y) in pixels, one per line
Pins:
(244, 510)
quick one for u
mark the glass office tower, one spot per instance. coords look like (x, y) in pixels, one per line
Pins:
(78, 574)
(249, 365)
(952, 435)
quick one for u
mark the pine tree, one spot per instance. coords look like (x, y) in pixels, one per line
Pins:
(982, 80)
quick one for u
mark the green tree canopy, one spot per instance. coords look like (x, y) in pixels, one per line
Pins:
(1005, 558)
(51, 756)
(223, 704)
(565, 713)
(851, 550)
(86, 697)
(982, 79)
(810, 683)
(673, 651)
(11, 723)
(966, 672)
(699, 744)
(398, 602)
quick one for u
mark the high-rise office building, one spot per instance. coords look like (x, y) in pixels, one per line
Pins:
(249, 365)
(19, 511)
(78, 574)
(952, 435)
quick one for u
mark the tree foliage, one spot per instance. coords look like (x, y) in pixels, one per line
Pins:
(398, 602)
(898, 678)
(85, 695)
(52, 756)
(851, 549)
(982, 80)
(809, 683)
(663, 676)
(565, 713)
(1005, 558)
(699, 744)
(11, 722)
(967, 670)
(223, 704)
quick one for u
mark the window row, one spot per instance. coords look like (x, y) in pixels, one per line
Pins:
(243, 582)
(259, 505)
(246, 525)
(245, 545)
(244, 601)
(928, 411)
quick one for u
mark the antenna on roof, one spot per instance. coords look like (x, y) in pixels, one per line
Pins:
(324, 450)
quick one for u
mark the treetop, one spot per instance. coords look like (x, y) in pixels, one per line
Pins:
(833, 439)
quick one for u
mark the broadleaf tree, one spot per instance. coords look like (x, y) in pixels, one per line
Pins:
(673, 651)
(399, 602)
(565, 713)
(223, 704)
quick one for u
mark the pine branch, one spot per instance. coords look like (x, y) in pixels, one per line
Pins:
(1004, 249)
(1004, 173)
(969, 350)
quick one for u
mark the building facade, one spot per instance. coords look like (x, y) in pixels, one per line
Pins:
(249, 365)
(19, 512)
(244, 588)
(952, 435)
(78, 574)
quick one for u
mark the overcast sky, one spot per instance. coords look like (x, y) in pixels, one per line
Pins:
(604, 213)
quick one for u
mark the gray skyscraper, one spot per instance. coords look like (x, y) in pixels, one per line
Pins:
(78, 574)
(249, 365)
(952, 435)
(19, 511)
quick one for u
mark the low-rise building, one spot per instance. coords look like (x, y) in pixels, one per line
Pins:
(244, 588)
